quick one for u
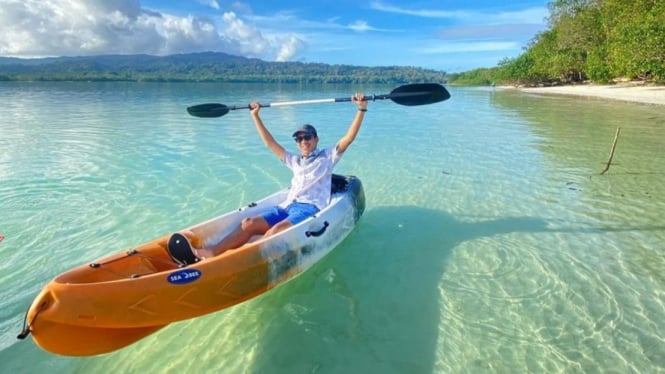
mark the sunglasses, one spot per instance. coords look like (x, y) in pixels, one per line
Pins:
(299, 139)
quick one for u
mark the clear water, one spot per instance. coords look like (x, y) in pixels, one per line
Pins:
(489, 244)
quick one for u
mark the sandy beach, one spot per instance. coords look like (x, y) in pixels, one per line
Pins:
(639, 93)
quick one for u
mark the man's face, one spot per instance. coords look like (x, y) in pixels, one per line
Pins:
(307, 142)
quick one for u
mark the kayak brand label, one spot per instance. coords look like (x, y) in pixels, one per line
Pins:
(184, 276)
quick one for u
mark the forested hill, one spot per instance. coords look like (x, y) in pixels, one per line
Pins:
(202, 67)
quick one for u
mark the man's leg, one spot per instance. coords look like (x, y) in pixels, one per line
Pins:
(281, 226)
(239, 236)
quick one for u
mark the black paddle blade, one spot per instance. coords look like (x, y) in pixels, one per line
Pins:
(419, 94)
(210, 110)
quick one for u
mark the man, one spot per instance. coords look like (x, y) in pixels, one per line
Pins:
(310, 185)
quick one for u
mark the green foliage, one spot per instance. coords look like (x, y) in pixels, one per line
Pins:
(204, 67)
(636, 41)
(476, 77)
(597, 39)
(597, 67)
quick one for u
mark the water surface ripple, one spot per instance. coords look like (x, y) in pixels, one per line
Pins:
(490, 242)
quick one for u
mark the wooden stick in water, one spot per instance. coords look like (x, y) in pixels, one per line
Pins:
(614, 145)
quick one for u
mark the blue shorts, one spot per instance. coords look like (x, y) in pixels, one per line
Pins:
(294, 213)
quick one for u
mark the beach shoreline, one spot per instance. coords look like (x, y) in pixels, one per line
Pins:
(629, 92)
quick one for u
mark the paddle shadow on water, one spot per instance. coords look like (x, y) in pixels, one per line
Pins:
(373, 305)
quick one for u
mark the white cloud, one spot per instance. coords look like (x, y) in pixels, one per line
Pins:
(250, 41)
(48, 28)
(242, 7)
(531, 15)
(488, 31)
(427, 13)
(237, 29)
(360, 26)
(211, 3)
(470, 33)
(37, 28)
(468, 47)
(289, 48)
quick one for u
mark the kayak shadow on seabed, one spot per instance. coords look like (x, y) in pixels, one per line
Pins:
(374, 304)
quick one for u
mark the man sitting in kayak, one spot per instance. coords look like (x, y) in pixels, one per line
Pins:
(310, 184)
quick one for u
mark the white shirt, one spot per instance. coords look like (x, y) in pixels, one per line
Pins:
(312, 176)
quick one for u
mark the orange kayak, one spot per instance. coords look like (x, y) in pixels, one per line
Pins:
(118, 300)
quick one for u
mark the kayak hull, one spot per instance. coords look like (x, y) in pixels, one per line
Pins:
(117, 300)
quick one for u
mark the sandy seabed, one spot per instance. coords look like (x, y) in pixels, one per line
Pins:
(646, 94)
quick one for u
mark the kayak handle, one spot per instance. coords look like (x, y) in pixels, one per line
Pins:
(318, 233)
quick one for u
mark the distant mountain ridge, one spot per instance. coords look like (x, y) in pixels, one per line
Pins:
(202, 67)
(125, 59)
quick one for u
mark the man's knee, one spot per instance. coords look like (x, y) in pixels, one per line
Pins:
(246, 223)
(254, 225)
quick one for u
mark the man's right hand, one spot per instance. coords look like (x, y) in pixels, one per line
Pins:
(255, 107)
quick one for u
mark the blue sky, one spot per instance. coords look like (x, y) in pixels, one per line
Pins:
(446, 35)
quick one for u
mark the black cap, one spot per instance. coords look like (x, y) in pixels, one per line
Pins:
(306, 128)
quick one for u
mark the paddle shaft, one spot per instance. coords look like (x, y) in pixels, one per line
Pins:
(287, 103)
(324, 101)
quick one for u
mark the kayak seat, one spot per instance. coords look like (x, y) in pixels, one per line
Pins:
(180, 250)
(339, 183)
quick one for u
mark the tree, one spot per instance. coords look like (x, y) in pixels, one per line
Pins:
(599, 39)
(636, 38)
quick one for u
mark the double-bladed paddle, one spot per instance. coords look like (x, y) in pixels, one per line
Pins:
(408, 94)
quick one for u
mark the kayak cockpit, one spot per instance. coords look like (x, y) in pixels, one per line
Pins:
(134, 263)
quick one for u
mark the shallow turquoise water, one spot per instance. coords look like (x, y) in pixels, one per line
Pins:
(489, 244)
